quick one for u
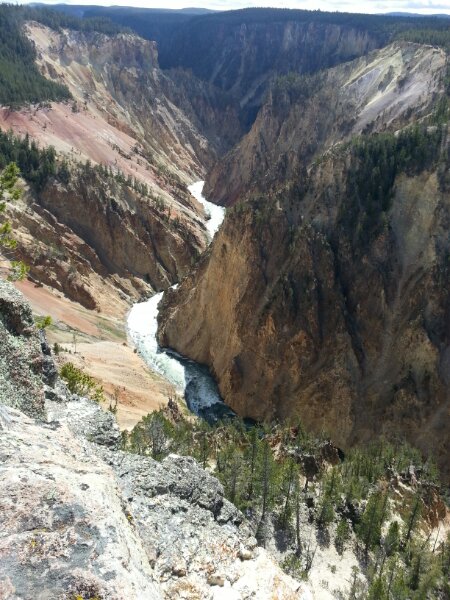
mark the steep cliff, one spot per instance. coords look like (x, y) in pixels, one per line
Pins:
(99, 240)
(116, 81)
(305, 115)
(120, 222)
(329, 299)
(81, 519)
(241, 51)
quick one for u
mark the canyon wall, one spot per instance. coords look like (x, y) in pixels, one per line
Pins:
(241, 51)
(304, 116)
(328, 300)
(121, 222)
(101, 242)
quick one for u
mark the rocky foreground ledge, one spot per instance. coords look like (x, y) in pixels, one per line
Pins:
(80, 519)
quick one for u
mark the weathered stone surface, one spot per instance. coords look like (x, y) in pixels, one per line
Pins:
(197, 542)
(72, 525)
(21, 359)
(87, 419)
(64, 526)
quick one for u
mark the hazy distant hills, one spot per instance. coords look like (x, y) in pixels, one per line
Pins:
(415, 15)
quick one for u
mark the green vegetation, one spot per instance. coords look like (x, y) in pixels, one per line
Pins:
(198, 43)
(43, 322)
(427, 35)
(81, 383)
(9, 192)
(63, 20)
(36, 165)
(275, 473)
(20, 80)
(376, 161)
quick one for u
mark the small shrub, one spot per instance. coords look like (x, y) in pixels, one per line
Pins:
(81, 383)
(43, 322)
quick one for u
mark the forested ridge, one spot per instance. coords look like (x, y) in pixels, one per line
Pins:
(185, 39)
(20, 80)
(374, 500)
(183, 36)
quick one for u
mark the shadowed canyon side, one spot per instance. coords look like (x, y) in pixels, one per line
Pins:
(329, 299)
(303, 116)
(241, 51)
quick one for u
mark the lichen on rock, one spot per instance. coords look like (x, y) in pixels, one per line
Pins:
(21, 359)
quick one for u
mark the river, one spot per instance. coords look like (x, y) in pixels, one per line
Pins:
(190, 379)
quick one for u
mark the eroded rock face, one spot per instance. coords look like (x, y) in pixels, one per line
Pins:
(299, 314)
(95, 235)
(64, 526)
(94, 239)
(384, 90)
(21, 358)
(240, 55)
(196, 540)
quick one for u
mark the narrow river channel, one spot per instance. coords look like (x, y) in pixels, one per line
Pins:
(190, 379)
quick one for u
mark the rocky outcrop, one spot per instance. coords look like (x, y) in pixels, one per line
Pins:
(84, 418)
(21, 358)
(73, 526)
(65, 529)
(313, 303)
(82, 519)
(116, 244)
(196, 540)
(304, 116)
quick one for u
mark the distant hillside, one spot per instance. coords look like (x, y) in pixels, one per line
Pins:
(241, 51)
(417, 15)
(20, 80)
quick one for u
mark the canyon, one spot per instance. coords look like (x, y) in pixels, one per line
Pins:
(246, 219)
(280, 308)
(277, 308)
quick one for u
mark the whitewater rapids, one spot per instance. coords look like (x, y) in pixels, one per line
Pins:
(190, 379)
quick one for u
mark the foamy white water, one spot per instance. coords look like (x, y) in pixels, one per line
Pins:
(216, 213)
(189, 378)
(142, 327)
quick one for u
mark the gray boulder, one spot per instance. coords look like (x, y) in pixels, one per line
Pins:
(86, 419)
(21, 358)
(64, 530)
